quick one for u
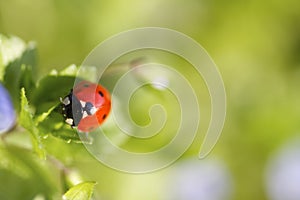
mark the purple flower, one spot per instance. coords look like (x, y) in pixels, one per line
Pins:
(7, 113)
(283, 172)
(199, 179)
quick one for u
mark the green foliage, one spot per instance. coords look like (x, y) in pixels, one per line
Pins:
(38, 104)
(20, 170)
(47, 90)
(254, 43)
(47, 108)
(27, 122)
(82, 191)
(11, 48)
(18, 71)
(43, 115)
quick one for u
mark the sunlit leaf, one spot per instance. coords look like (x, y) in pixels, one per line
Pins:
(20, 72)
(11, 48)
(43, 116)
(82, 191)
(26, 120)
(27, 79)
(52, 123)
(49, 90)
(21, 169)
(46, 99)
(68, 71)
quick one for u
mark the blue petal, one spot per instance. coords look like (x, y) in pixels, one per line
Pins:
(7, 113)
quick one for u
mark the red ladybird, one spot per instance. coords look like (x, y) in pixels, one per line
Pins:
(86, 106)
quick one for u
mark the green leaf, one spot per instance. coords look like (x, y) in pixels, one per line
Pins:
(46, 99)
(49, 90)
(82, 191)
(26, 120)
(68, 71)
(19, 73)
(58, 84)
(52, 123)
(55, 125)
(11, 48)
(42, 117)
(27, 79)
(20, 168)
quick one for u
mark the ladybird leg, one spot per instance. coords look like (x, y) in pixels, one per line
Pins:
(70, 121)
(66, 101)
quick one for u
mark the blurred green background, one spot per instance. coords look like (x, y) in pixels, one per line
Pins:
(255, 44)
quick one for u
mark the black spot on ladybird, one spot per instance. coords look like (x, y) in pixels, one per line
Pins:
(104, 116)
(101, 93)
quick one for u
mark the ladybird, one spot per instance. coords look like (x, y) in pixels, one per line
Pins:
(86, 106)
